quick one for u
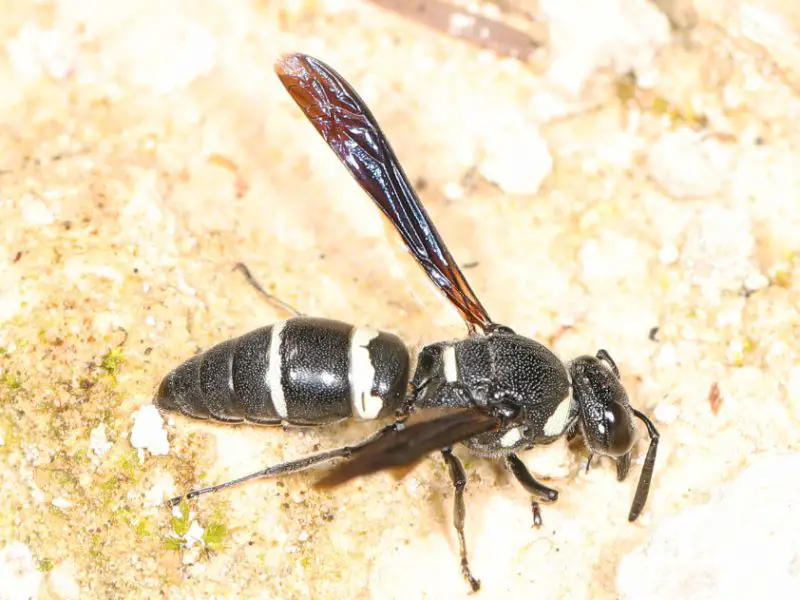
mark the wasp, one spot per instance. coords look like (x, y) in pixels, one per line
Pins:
(495, 392)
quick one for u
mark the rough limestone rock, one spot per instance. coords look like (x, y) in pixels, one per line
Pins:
(741, 544)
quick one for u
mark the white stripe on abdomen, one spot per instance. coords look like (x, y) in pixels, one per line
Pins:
(273, 375)
(362, 375)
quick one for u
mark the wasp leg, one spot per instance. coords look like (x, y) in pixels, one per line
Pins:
(273, 300)
(459, 478)
(292, 466)
(533, 487)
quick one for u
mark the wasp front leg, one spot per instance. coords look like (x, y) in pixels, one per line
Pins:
(532, 486)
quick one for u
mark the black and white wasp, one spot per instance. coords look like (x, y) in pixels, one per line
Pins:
(498, 393)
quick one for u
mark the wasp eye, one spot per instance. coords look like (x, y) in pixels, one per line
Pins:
(620, 431)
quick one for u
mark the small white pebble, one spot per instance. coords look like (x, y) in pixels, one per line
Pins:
(106, 322)
(191, 555)
(756, 281)
(453, 191)
(303, 537)
(727, 316)
(37, 494)
(194, 535)
(31, 452)
(18, 573)
(35, 53)
(77, 269)
(668, 254)
(61, 583)
(163, 488)
(35, 212)
(184, 287)
(61, 502)
(667, 356)
(736, 349)
(460, 22)
(647, 78)
(148, 431)
(665, 413)
(150, 320)
(518, 161)
(687, 164)
(719, 250)
(98, 442)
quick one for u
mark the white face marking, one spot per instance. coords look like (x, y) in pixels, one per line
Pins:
(511, 437)
(362, 375)
(557, 422)
(450, 364)
(273, 375)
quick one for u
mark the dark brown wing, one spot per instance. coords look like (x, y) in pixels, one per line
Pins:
(406, 447)
(344, 121)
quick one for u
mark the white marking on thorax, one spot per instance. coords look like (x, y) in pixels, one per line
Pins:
(273, 375)
(558, 421)
(511, 437)
(450, 364)
(362, 375)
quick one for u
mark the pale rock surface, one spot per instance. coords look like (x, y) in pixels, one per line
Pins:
(741, 544)
(148, 147)
(688, 164)
(718, 252)
(590, 34)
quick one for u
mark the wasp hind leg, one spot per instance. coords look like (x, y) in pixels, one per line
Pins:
(459, 479)
(292, 466)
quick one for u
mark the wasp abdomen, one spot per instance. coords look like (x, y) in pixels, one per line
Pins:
(303, 371)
